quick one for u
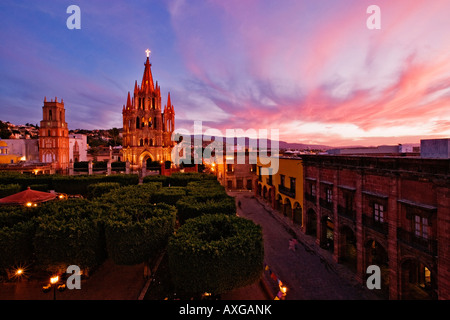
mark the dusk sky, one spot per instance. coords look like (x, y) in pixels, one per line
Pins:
(311, 69)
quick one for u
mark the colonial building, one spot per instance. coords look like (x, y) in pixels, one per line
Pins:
(54, 135)
(147, 130)
(283, 190)
(393, 212)
(78, 147)
(236, 172)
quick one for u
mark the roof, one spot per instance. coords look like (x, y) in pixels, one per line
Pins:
(26, 196)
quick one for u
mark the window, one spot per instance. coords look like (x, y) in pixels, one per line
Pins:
(421, 227)
(282, 180)
(292, 184)
(329, 194)
(378, 212)
(138, 122)
(49, 114)
(313, 190)
(229, 168)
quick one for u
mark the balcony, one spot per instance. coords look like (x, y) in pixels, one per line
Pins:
(346, 212)
(410, 239)
(325, 204)
(286, 191)
(310, 197)
(369, 222)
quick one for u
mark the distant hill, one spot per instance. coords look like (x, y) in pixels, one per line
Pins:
(252, 142)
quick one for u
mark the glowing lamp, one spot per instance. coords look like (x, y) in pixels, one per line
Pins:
(54, 279)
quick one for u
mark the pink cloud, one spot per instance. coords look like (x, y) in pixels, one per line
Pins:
(276, 65)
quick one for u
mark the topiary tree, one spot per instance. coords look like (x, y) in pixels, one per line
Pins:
(137, 232)
(191, 207)
(69, 232)
(169, 195)
(215, 254)
(98, 189)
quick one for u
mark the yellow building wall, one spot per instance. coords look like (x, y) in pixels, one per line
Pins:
(9, 158)
(289, 167)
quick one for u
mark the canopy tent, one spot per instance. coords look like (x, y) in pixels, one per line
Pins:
(28, 196)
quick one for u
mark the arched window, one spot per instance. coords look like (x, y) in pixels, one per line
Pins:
(141, 143)
(48, 133)
(146, 141)
(49, 114)
(138, 122)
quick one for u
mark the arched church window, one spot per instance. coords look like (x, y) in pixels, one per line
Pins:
(138, 122)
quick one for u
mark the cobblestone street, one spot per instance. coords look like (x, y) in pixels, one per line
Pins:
(308, 273)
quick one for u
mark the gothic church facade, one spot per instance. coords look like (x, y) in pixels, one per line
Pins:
(147, 128)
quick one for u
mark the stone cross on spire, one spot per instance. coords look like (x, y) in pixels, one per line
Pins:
(148, 52)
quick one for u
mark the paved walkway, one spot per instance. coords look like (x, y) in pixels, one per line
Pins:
(108, 282)
(309, 272)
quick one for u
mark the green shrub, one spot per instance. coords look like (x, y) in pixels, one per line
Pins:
(138, 232)
(69, 232)
(216, 254)
(98, 189)
(141, 192)
(157, 178)
(16, 246)
(39, 187)
(11, 214)
(182, 179)
(169, 195)
(9, 189)
(191, 207)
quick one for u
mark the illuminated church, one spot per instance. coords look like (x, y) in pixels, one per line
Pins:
(147, 129)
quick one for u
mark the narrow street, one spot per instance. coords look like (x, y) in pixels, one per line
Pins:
(303, 271)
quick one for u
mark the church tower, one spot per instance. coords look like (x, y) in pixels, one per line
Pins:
(147, 130)
(54, 135)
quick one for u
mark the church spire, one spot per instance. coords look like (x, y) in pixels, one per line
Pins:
(169, 104)
(129, 100)
(147, 79)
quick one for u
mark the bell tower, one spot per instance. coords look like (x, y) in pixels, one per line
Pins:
(54, 135)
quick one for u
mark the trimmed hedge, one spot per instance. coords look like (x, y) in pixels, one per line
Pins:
(216, 254)
(138, 231)
(9, 189)
(65, 184)
(142, 192)
(98, 189)
(191, 207)
(169, 195)
(69, 232)
(16, 245)
(16, 235)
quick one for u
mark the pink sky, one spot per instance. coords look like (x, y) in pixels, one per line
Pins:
(317, 73)
(310, 69)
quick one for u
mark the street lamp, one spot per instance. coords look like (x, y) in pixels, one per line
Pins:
(55, 284)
